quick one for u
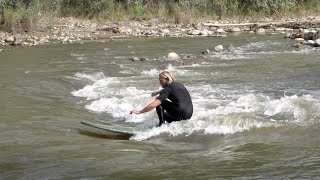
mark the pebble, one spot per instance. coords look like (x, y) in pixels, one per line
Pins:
(74, 30)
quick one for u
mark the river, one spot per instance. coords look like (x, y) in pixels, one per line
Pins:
(256, 110)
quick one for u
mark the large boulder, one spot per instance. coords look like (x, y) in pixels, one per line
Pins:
(218, 48)
(172, 56)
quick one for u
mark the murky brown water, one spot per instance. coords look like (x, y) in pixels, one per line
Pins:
(256, 110)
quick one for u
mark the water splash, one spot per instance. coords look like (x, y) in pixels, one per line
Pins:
(217, 109)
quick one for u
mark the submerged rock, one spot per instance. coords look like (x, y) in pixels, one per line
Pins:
(231, 48)
(317, 43)
(144, 59)
(297, 46)
(135, 59)
(206, 52)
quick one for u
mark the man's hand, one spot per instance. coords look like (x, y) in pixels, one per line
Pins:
(148, 108)
(155, 93)
(135, 112)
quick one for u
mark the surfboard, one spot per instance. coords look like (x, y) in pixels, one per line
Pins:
(113, 129)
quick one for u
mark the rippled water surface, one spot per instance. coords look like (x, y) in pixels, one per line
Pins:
(256, 110)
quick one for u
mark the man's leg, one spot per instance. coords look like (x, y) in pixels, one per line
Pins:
(160, 112)
(163, 111)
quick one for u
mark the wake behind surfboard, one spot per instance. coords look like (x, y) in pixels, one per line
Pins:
(113, 129)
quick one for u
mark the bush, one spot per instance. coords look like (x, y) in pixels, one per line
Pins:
(87, 8)
(18, 15)
(22, 14)
(266, 6)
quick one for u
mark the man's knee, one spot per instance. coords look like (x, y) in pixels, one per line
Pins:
(158, 109)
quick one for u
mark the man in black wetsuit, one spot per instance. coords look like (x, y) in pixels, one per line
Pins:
(173, 103)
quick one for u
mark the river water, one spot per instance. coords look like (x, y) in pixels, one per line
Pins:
(256, 110)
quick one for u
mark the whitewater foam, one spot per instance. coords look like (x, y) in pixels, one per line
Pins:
(218, 109)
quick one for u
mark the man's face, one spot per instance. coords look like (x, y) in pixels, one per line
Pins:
(163, 81)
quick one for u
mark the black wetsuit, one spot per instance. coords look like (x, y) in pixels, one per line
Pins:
(178, 107)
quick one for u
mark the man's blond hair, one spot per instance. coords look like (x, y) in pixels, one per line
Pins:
(167, 75)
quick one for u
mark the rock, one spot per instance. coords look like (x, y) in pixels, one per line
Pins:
(280, 29)
(2, 35)
(203, 33)
(288, 35)
(311, 42)
(210, 33)
(305, 31)
(172, 56)
(218, 48)
(118, 30)
(299, 39)
(260, 31)
(313, 31)
(134, 59)
(195, 32)
(16, 42)
(105, 28)
(165, 31)
(317, 43)
(310, 36)
(143, 59)
(25, 44)
(235, 30)
(220, 31)
(189, 56)
(9, 39)
(297, 46)
(231, 48)
(129, 31)
(148, 33)
(206, 52)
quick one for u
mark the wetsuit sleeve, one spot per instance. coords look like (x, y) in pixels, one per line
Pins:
(164, 94)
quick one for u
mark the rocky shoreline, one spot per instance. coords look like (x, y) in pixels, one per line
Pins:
(71, 30)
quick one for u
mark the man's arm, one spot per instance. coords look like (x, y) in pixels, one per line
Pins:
(155, 93)
(148, 108)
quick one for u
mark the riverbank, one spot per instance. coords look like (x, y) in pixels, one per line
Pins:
(305, 30)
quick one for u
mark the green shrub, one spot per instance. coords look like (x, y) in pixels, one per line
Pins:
(22, 14)
(17, 15)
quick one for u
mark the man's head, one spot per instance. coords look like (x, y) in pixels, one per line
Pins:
(165, 78)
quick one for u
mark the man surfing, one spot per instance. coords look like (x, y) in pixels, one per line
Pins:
(173, 103)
